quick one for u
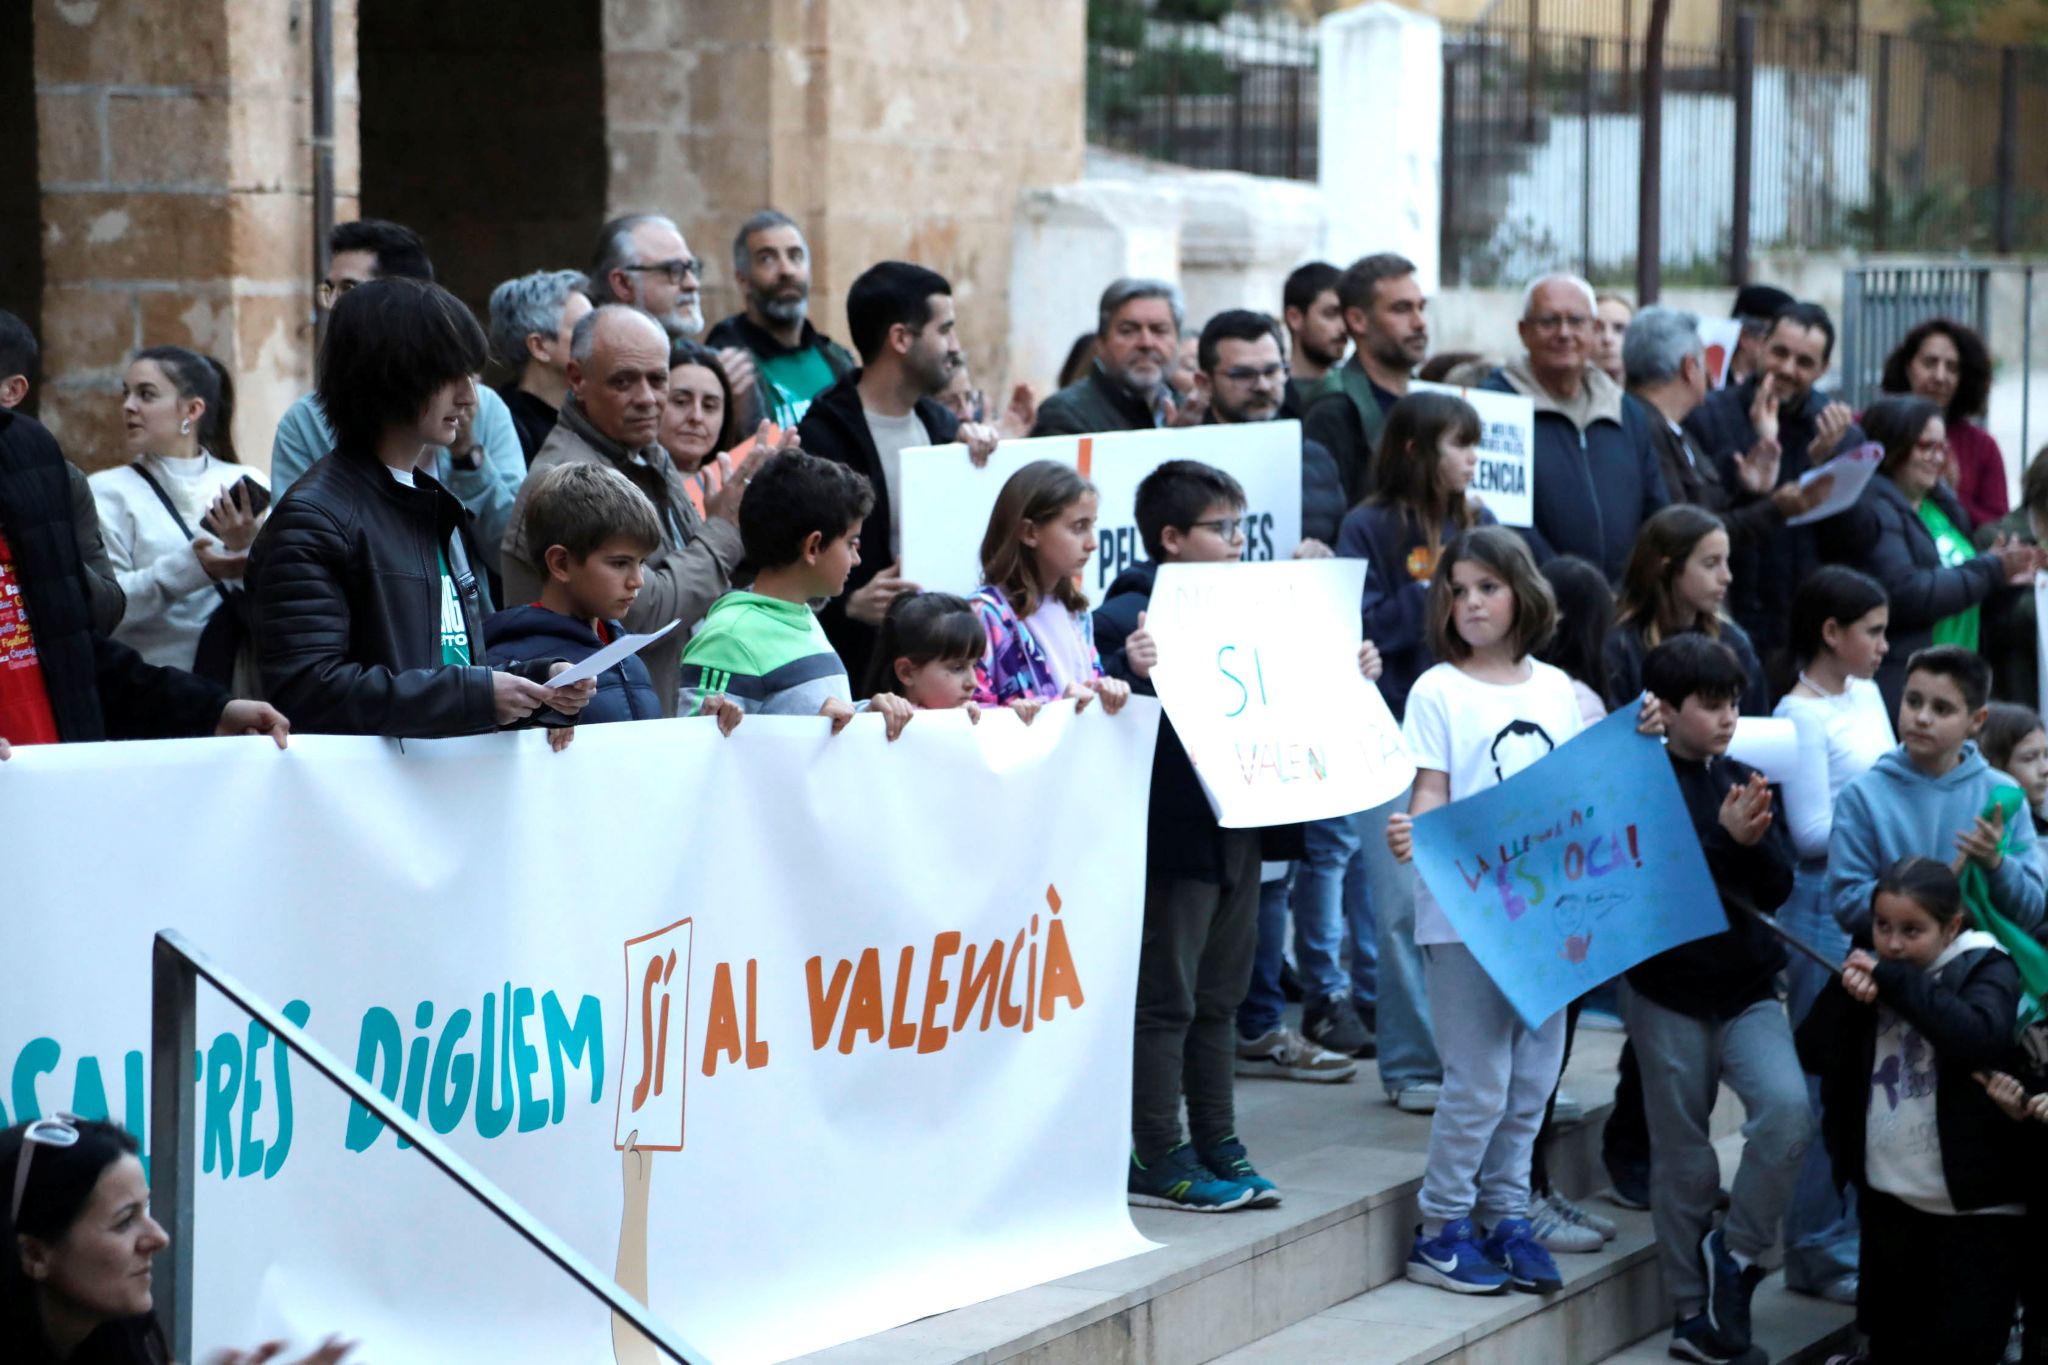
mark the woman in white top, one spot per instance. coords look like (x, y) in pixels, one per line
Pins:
(1838, 636)
(176, 407)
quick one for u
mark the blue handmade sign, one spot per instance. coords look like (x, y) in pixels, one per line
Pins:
(1572, 871)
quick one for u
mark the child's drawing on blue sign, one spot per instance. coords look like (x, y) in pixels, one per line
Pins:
(1572, 871)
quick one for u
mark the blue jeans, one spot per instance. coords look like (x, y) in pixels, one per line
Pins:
(1407, 1046)
(1329, 898)
(1821, 1229)
(1263, 1001)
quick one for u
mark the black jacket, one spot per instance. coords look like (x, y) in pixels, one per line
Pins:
(1720, 976)
(625, 691)
(98, 689)
(1092, 403)
(1346, 415)
(740, 333)
(1966, 1015)
(1322, 491)
(1884, 537)
(531, 418)
(1690, 476)
(1182, 836)
(1770, 568)
(1625, 649)
(836, 428)
(345, 587)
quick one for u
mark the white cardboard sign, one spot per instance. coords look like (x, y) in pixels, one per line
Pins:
(1506, 478)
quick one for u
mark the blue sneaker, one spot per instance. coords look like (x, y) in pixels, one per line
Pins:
(1729, 1288)
(1695, 1339)
(1178, 1181)
(1451, 1260)
(1228, 1160)
(1512, 1246)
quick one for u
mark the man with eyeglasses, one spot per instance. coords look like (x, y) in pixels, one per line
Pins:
(1386, 314)
(642, 260)
(485, 463)
(1240, 376)
(1595, 463)
(1777, 414)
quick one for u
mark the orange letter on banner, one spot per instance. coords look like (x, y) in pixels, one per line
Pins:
(824, 1003)
(757, 1047)
(722, 1030)
(932, 1034)
(864, 1010)
(1061, 980)
(902, 1033)
(981, 985)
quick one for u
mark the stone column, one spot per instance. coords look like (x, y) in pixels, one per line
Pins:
(1379, 140)
(175, 183)
(888, 128)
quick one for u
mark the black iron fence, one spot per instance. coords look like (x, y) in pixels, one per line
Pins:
(1784, 134)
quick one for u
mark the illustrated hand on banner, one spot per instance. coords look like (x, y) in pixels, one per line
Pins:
(1572, 871)
(1258, 671)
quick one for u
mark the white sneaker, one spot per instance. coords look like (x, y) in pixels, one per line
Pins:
(1285, 1054)
(1553, 1232)
(1419, 1098)
(1578, 1217)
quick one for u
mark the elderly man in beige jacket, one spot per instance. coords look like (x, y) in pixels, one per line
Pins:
(618, 382)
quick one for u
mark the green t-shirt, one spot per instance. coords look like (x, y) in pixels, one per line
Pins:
(1954, 548)
(791, 381)
(454, 630)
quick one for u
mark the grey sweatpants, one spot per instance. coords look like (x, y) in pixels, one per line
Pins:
(1498, 1075)
(1684, 1060)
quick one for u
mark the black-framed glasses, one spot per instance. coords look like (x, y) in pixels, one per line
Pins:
(1229, 528)
(1255, 374)
(61, 1131)
(676, 270)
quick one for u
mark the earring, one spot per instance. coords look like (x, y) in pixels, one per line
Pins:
(185, 427)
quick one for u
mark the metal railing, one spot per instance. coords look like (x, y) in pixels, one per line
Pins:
(176, 969)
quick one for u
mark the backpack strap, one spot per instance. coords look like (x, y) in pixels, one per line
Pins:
(172, 508)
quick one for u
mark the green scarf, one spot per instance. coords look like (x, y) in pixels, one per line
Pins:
(2027, 954)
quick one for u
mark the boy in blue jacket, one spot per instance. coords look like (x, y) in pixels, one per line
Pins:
(1927, 797)
(592, 530)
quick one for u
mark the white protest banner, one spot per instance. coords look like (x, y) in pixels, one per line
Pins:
(946, 500)
(1506, 477)
(1850, 470)
(1258, 669)
(877, 1052)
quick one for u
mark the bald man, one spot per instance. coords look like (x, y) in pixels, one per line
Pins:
(618, 388)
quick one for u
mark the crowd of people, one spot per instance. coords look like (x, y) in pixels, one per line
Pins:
(429, 551)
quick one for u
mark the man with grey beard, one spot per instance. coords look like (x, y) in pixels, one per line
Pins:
(642, 261)
(793, 361)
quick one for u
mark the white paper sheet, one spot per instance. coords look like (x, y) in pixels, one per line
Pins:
(610, 655)
(1852, 469)
(1768, 744)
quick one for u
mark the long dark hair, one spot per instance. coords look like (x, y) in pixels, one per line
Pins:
(1663, 545)
(1833, 592)
(201, 376)
(60, 1185)
(1585, 606)
(1973, 366)
(687, 352)
(1896, 423)
(1404, 472)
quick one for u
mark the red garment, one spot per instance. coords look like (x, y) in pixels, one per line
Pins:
(1983, 489)
(25, 716)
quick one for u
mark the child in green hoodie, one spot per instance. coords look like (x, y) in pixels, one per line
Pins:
(763, 650)
(1927, 799)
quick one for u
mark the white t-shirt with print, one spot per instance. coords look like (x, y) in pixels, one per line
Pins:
(1480, 734)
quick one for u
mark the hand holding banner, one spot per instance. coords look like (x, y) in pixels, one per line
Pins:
(1572, 871)
(1258, 670)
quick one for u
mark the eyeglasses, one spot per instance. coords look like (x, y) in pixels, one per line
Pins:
(677, 270)
(330, 290)
(1229, 528)
(1254, 374)
(61, 1131)
(1568, 322)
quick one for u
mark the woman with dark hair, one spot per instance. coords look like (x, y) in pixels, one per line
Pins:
(1677, 581)
(180, 519)
(1907, 532)
(1585, 611)
(1946, 363)
(368, 617)
(75, 1280)
(700, 424)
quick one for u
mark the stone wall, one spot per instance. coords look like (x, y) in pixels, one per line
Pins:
(174, 174)
(888, 128)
